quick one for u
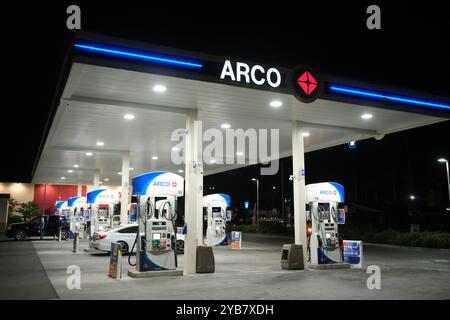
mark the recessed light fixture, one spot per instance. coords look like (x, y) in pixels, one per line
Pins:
(63, 178)
(155, 158)
(306, 134)
(76, 166)
(119, 173)
(159, 88)
(213, 161)
(180, 171)
(100, 143)
(106, 179)
(128, 116)
(69, 171)
(276, 104)
(367, 116)
(175, 149)
(131, 169)
(89, 154)
(225, 126)
(239, 153)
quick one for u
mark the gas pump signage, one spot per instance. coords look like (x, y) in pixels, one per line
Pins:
(102, 196)
(77, 202)
(326, 191)
(158, 183)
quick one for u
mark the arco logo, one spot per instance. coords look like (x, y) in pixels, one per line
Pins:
(174, 184)
(306, 84)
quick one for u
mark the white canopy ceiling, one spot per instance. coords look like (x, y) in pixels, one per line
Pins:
(96, 98)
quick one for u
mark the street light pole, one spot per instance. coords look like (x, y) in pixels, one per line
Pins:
(257, 199)
(448, 177)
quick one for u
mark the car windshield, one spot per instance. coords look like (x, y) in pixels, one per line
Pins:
(35, 220)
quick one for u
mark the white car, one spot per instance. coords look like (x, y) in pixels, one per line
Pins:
(125, 235)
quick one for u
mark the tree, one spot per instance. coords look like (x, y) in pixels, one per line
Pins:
(29, 210)
(12, 205)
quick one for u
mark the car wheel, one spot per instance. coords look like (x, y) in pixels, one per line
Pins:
(20, 235)
(180, 246)
(124, 247)
(64, 235)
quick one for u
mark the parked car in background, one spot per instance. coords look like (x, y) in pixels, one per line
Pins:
(125, 235)
(32, 228)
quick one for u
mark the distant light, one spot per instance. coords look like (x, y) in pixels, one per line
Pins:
(352, 144)
(63, 178)
(76, 166)
(254, 179)
(89, 154)
(366, 116)
(225, 126)
(100, 143)
(155, 158)
(69, 171)
(306, 134)
(276, 104)
(274, 188)
(180, 171)
(239, 153)
(119, 173)
(442, 160)
(100, 182)
(412, 197)
(131, 168)
(106, 179)
(213, 161)
(175, 149)
(159, 88)
(129, 116)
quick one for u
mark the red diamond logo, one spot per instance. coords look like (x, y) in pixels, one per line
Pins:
(174, 184)
(307, 82)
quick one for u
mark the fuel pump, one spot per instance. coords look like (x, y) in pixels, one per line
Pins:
(63, 210)
(215, 206)
(157, 194)
(323, 215)
(101, 209)
(78, 206)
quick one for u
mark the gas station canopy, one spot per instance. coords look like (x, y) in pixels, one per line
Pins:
(106, 78)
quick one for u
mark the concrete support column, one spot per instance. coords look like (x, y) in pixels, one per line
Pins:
(193, 191)
(79, 190)
(96, 179)
(124, 192)
(298, 159)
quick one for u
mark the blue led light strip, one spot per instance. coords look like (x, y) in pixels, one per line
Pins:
(140, 56)
(380, 96)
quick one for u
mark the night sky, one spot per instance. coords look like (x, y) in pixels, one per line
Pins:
(411, 51)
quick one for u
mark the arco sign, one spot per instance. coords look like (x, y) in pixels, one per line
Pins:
(251, 74)
(306, 84)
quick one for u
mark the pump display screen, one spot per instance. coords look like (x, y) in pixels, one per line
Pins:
(156, 236)
(159, 223)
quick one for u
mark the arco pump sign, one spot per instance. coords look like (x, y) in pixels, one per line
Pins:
(304, 81)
